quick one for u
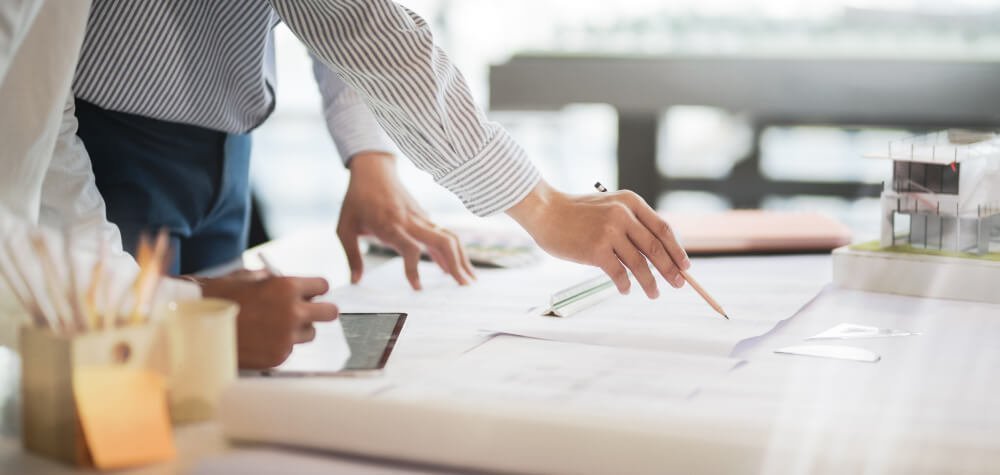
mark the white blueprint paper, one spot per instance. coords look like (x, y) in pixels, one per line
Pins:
(757, 293)
(527, 370)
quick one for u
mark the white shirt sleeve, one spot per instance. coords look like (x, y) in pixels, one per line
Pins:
(16, 17)
(70, 198)
(45, 179)
(387, 54)
(352, 125)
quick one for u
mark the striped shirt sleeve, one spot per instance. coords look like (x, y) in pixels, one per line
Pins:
(351, 124)
(387, 53)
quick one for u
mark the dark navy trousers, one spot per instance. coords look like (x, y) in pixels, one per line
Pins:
(155, 174)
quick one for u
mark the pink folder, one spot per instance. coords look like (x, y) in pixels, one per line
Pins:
(750, 231)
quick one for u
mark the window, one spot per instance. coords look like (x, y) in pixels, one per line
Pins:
(949, 181)
(924, 177)
(935, 174)
(918, 177)
(901, 176)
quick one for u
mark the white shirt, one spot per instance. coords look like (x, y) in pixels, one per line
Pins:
(45, 174)
(205, 63)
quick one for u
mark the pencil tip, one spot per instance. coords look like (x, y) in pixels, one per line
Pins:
(727, 316)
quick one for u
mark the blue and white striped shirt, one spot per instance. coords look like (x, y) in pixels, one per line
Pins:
(208, 63)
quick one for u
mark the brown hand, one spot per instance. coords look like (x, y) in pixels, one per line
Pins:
(275, 314)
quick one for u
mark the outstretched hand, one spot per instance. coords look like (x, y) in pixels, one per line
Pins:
(612, 231)
(377, 204)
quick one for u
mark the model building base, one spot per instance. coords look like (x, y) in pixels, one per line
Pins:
(912, 271)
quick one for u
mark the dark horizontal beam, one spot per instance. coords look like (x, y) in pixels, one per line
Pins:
(752, 193)
(801, 90)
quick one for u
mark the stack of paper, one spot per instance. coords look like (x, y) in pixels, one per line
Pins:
(757, 293)
(607, 395)
(541, 400)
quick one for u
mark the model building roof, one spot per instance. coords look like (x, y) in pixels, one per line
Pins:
(944, 147)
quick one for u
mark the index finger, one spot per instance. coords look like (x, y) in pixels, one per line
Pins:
(318, 312)
(348, 236)
(663, 232)
(440, 246)
(309, 287)
(407, 247)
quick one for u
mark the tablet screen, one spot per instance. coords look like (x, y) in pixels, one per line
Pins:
(370, 336)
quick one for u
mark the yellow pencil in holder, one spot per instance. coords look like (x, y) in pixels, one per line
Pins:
(55, 366)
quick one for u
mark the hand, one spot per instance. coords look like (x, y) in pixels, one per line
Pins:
(275, 313)
(377, 204)
(608, 230)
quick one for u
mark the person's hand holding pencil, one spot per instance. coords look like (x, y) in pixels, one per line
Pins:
(612, 231)
(276, 312)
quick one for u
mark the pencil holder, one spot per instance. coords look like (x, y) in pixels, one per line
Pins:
(202, 340)
(50, 421)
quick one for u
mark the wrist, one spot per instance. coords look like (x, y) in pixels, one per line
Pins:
(534, 208)
(371, 161)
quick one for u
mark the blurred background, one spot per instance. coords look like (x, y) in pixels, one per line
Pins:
(706, 156)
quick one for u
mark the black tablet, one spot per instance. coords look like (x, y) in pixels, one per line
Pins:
(371, 337)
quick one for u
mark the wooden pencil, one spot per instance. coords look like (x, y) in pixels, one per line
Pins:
(152, 259)
(56, 294)
(704, 293)
(80, 315)
(93, 293)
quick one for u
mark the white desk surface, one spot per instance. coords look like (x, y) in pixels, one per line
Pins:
(929, 405)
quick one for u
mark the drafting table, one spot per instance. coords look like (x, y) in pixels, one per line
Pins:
(892, 92)
(930, 405)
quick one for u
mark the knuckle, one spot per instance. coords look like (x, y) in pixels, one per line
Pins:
(283, 286)
(391, 233)
(640, 264)
(324, 286)
(663, 228)
(654, 249)
(411, 250)
(441, 241)
(608, 230)
(631, 197)
(620, 211)
(295, 314)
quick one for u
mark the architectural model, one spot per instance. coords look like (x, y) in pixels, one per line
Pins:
(940, 224)
(944, 193)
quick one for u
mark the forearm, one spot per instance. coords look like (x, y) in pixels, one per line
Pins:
(387, 54)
